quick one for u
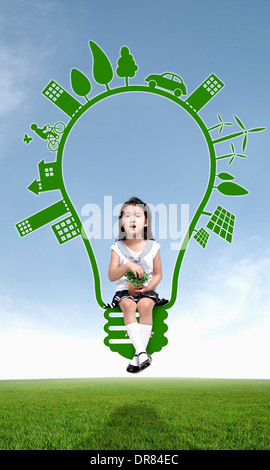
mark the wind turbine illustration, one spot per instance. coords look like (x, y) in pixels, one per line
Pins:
(220, 125)
(232, 155)
(244, 132)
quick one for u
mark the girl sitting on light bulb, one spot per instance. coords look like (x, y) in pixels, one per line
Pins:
(136, 250)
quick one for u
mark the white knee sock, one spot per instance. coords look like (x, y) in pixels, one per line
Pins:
(134, 332)
(146, 331)
(139, 336)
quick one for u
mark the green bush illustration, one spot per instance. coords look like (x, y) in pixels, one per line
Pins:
(126, 65)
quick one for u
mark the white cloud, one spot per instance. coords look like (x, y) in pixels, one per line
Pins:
(14, 72)
(234, 294)
(222, 332)
(190, 354)
(24, 56)
(31, 354)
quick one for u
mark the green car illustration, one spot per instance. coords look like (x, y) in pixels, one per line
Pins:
(169, 81)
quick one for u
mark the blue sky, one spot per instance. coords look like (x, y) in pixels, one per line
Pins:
(50, 323)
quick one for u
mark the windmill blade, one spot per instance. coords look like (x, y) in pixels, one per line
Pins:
(221, 124)
(232, 147)
(226, 156)
(241, 156)
(244, 142)
(239, 122)
(257, 129)
(231, 160)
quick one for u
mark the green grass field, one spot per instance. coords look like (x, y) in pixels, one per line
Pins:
(134, 413)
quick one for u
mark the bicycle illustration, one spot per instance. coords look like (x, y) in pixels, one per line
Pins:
(50, 133)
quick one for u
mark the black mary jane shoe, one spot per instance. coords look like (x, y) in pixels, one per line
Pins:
(145, 363)
(133, 369)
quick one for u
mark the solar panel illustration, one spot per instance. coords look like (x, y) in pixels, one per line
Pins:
(202, 237)
(222, 223)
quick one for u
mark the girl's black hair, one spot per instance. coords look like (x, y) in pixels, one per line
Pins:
(134, 201)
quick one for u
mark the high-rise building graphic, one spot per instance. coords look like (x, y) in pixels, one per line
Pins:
(43, 217)
(61, 98)
(65, 230)
(207, 90)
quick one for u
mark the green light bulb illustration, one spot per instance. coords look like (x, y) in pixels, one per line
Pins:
(170, 86)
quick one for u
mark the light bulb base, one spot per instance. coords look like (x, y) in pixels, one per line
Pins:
(118, 341)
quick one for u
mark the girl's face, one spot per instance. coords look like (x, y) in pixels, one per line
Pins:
(134, 221)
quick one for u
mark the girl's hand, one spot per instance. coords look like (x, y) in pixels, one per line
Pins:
(135, 292)
(136, 269)
(143, 289)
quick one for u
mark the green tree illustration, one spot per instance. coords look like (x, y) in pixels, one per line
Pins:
(102, 69)
(126, 65)
(80, 83)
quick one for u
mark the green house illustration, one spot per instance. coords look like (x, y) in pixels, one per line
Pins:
(50, 177)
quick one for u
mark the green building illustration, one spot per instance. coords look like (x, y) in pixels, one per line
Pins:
(42, 218)
(50, 177)
(61, 98)
(66, 229)
(204, 93)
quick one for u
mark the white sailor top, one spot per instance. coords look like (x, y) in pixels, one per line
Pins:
(144, 258)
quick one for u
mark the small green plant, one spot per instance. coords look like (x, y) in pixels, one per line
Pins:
(136, 281)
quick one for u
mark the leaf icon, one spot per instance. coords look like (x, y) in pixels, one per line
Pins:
(80, 83)
(231, 189)
(225, 176)
(102, 69)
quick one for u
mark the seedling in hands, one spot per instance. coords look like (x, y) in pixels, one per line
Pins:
(136, 281)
